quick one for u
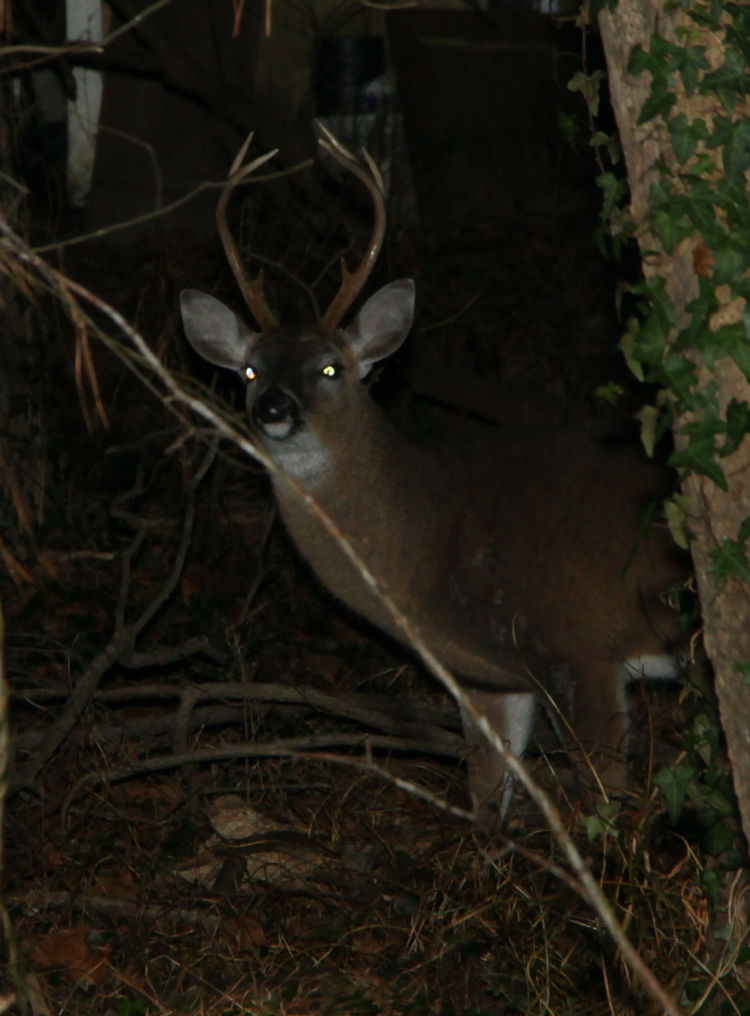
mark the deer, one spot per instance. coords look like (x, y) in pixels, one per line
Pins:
(518, 558)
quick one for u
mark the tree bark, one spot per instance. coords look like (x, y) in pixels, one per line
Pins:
(713, 514)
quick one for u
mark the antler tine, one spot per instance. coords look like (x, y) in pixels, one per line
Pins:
(352, 282)
(253, 290)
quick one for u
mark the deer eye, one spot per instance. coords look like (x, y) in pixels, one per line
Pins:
(251, 373)
(331, 370)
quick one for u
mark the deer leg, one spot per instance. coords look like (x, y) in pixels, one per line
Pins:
(595, 729)
(511, 717)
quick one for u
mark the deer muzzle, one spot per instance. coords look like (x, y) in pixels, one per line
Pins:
(277, 413)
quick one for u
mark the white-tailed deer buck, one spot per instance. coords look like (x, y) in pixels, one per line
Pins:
(519, 560)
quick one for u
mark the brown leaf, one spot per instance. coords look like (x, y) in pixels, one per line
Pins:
(247, 931)
(703, 261)
(68, 951)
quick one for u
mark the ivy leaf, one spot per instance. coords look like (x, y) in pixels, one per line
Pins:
(666, 55)
(708, 16)
(736, 154)
(603, 821)
(732, 340)
(698, 332)
(730, 559)
(648, 417)
(685, 136)
(674, 784)
(640, 61)
(589, 85)
(699, 204)
(726, 81)
(658, 103)
(693, 63)
(718, 837)
(612, 191)
(738, 424)
(729, 260)
(676, 517)
(700, 454)
(670, 229)
(610, 392)
(738, 33)
(628, 348)
(733, 137)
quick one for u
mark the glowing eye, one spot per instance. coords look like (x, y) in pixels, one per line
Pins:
(251, 373)
(330, 370)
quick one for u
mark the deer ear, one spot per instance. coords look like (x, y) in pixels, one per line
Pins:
(213, 330)
(383, 323)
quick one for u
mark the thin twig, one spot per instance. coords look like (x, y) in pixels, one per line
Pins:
(138, 220)
(294, 747)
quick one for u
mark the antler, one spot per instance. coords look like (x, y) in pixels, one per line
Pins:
(252, 290)
(352, 282)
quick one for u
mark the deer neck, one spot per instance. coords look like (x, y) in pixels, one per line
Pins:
(354, 471)
(374, 488)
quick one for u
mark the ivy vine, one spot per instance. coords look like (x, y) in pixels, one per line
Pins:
(700, 193)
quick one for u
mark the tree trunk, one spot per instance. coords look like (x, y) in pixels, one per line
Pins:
(713, 514)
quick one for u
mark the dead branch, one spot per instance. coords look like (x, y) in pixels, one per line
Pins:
(371, 711)
(122, 644)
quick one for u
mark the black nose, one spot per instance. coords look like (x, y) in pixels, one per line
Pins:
(276, 406)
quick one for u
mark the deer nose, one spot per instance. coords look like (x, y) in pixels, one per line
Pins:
(276, 412)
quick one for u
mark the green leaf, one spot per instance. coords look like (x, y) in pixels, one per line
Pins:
(658, 103)
(648, 417)
(692, 65)
(718, 838)
(736, 154)
(610, 392)
(679, 373)
(628, 346)
(730, 559)
(670, 229)
(733, 340)
(729, 260)
(589, 85)
(700, 457)
(738, 425)
(603, 821)
(674, 511)
(701, 198)
(674, 784)
(727, 81)
(610, 142)
(738, 32)
(640, 60)
(612, 191)
(686, 134)
(665, 54)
